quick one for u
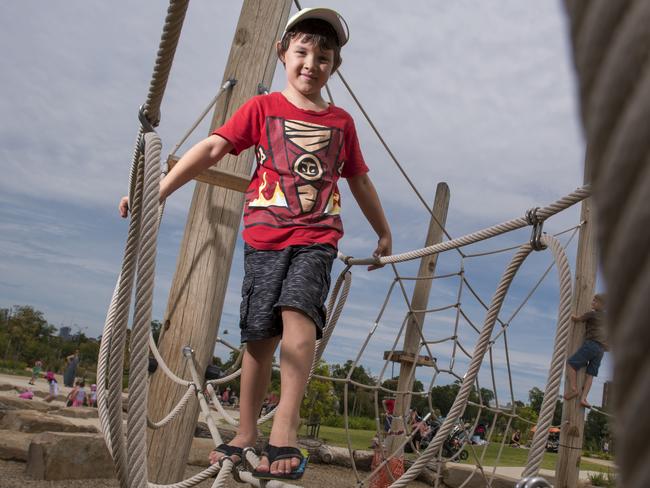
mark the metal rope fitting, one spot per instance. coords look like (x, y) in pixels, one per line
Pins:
(147, 125)
(245, 465)
(533, 482)
(262, 90)
(536, 234)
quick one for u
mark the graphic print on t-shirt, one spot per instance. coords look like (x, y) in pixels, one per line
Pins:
(297, 175)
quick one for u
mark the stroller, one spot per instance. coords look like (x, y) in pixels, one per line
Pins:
(452, 447)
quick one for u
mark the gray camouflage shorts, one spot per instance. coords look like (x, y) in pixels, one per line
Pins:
(296, 277)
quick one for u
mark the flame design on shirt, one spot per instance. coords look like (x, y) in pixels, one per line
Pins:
(277, 199)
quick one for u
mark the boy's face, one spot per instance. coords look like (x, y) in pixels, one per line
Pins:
(596, 304)
(308, 67)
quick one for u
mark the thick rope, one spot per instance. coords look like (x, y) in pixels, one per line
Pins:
(481, 347)
(543, 213)
(538, 445)
(166, 50)
(174, 412)
(614, 78)
(115, 338)
(138, 365)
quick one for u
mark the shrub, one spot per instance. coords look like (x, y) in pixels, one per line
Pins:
(15, 367)
(607, 480)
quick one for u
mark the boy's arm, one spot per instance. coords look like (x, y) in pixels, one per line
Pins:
(366, 196)
(580, 318)
(200, 157)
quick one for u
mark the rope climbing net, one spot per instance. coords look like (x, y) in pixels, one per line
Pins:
(129, 451)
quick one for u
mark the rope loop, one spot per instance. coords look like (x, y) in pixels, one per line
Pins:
(536, 234)
(533, 482)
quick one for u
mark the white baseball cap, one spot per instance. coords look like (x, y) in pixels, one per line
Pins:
(330, 16)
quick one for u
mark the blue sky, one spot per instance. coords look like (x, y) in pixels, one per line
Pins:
(480, 95)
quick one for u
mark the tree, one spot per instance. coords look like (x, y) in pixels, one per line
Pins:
(442, 397)
(360, 400)
(536, 397)
(486, 395)
(320, 398)
(597, 430)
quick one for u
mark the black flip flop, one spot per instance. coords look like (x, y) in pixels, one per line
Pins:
(229, 452)
(274, 453)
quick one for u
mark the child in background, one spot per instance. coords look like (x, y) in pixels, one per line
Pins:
(590, 353)
(77, 396)
(36, 371)
(92, 398)
(28, 394)
(54, 387)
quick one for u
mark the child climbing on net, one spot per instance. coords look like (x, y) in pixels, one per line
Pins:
(591, 351)
(292, 226)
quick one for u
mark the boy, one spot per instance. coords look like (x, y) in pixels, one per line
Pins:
(591, 351)
(291, 226)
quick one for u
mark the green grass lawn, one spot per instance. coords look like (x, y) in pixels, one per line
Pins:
(513, 456)
(510, 456)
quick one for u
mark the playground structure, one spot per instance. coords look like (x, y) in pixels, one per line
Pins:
(130, 459)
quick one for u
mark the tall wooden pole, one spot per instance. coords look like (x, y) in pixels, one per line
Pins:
(419, 301)
(573, 415)
(199, 286)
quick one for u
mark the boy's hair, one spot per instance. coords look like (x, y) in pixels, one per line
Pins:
(600, 297)
(317, 32)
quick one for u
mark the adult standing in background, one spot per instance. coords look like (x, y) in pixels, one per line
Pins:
(71, 369)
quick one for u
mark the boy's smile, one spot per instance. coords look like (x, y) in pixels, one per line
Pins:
(308, 69)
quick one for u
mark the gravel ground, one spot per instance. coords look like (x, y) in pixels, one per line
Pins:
(12, 475)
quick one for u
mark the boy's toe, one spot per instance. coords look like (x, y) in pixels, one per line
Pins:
(263, 466)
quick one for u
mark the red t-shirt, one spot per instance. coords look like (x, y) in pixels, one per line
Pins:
(293, 198)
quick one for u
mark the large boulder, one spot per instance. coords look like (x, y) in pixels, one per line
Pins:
(13, 402)
(65, 456)
(77, 412)
(34, 422)
(14, 445)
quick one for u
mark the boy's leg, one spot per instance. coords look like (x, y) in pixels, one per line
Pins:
(255, 378)
(296, 357)
(572, 378)
(579, 360)
(585, 391)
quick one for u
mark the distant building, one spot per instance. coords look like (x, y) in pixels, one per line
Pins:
(4, 315)
(64, 333)
(607, 394)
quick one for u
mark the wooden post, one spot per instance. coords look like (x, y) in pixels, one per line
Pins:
(199, 286)
(419, 301)
(573, 415)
